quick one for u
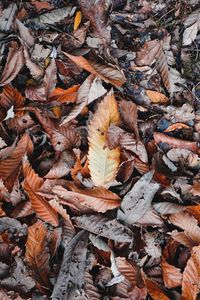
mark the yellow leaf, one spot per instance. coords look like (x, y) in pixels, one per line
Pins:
(156, 97)
(103, 162)
(77, 20)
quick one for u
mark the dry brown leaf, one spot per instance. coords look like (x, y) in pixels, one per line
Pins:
(130, 271)
(148, 53)
(157, 97)
(25, 33)
(10, 96)
(61, 167)
(14, 63)
(174, 142)
(96, 13)
(155, 291)
(9, 167)
(106, 73)
(103, 162)
(90, 90)
(105, 227)
(36, 254)
(128, 112)
(50, 78)
(59, 208)
(98, 204)
(189, 224)
(36, 71)
(191, 276)
(31, 185)
(172, 276)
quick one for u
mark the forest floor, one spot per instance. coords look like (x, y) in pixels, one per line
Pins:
(99, 150)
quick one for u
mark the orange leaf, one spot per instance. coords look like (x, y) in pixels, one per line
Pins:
(41, 207)
(155, 291)
(176, 126)
(36, 254)
(10, 96)
(77, 20)
(171, 275)
(9, 167)
(195, 211)
(191, 276)
(156, 97)
(106, 73)
(64, 96)
(131, 272)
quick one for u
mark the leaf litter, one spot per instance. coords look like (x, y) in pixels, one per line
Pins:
(99, 150)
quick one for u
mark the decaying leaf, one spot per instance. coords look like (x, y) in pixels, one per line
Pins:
(71, 275)
(103, 162)
(100, 225)
(138, 200)
(106, 73)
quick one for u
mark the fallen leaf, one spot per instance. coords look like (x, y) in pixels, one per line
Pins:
(189, 224)
(25, 33)
(73, 266)
(10, 166)
(190, 33)
(96, 13)
(77, 19)
(7, 17)
(90, 90)
(14, 63)
(156, 97)
(138, 200)
(106, 73)
(31, 185)
(103, 162)
(64, 96)
(148, 53)
(172, 276)
(101, 225)
(37, 256)
(174, 142)
(50, 78)
(98, 204)
(191, 276)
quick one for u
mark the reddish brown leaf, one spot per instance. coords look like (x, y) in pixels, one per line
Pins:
(9, 167)
(36, 254)
(64, 96)
(191, 276)
(98, 204)
(41, 207)
(106, 73)
(172, 276)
